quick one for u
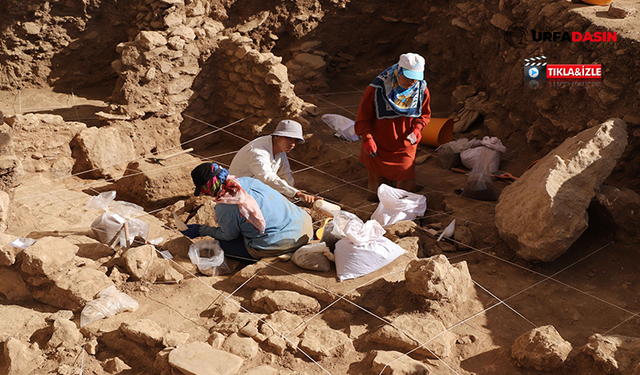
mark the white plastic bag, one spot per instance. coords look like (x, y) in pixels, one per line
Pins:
(209, 257)
(358, 260)
(470, 157)
(312, 257)
(397, 204)
(359, 233)
(109, 302)
(116, 213)
(342, 125)
(340, 220)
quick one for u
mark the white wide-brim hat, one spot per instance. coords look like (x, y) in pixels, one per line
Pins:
(412, 65)
(289, 128)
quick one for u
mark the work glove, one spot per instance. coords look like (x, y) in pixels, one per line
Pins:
(193, 231)
(370, 145)
(415, 136)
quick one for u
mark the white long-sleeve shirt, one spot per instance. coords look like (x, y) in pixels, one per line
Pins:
(257, 160)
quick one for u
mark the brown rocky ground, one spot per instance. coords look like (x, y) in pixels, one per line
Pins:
(332, 50)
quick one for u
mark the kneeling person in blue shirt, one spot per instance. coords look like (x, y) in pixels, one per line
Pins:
(255, 221)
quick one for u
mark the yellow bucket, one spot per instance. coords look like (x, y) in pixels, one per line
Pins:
(438, 131)
(320, 231)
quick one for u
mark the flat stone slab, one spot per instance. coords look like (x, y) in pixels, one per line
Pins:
(199, 358)
(324, 286)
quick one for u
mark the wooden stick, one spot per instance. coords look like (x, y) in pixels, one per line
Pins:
(126, 235)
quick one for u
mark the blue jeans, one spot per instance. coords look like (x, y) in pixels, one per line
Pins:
(236, 249)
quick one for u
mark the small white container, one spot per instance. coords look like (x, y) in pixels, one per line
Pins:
(326, 208)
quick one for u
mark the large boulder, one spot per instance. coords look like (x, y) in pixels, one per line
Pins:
(616, 354)
(541, 348)
(435, 278)
(72, 289)
(47, 257)
(542, 213)
(103, 152)
(623, 208)
(18, 358)
(152, 183)
(406, 332)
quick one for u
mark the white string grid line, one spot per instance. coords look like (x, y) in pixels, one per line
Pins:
(501, 301)
(155, 155)
(284, 336)
(311, 283)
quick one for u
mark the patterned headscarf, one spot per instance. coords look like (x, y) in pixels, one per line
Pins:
(215, 181)
(392, 100)
(208, 178)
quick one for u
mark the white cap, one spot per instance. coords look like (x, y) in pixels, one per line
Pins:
(412, 65)
(289, 128)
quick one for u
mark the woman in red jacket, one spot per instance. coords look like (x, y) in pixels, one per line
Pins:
(393, 112)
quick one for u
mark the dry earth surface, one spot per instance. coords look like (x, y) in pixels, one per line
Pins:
(65, 59)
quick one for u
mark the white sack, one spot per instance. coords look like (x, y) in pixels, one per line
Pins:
(312, 257)
(470, 157)
(397, 205)
(360, 233)
(342, 125)
(358, 260)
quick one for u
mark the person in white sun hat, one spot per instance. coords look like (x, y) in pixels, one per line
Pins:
(265, 158)
(393, 111)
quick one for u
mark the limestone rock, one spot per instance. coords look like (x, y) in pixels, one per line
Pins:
(12, 287)
(65, 334)
(277, 75)
(19, 359)
(139, 261)
(623, 206)
(286, 300)
(31, 28)
(541, 348)
(115, 366)
(244, 347)
(435, 278)
(48, 256)
(174, 19)
(396, 363)
(168, 3)
(175, 339)
(422, 329)
(8, 254)
(320, 341)
(151, 39)
(73, 289)
(149, 184)
(281, 322)
(143, 331)
(184, 32)
(198, 358)
(402, 228)
(616, 354)
(410, 244)
(89, 247)
(104, 152)
(4, 210)
(542, 213)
